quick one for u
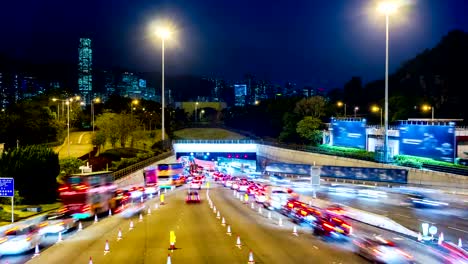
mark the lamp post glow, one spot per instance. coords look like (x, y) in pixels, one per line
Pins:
(163, 33)
(196, 111)
(376, 109)
(356, 108)
(97, 101)
(340, 104)
(387, 8)
(427, 108)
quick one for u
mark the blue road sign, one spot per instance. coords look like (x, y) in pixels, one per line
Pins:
(7, 187)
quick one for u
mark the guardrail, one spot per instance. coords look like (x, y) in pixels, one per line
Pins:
(220, 141)
(453, 170)
(140, 165)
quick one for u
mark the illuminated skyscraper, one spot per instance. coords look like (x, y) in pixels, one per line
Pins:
(85, 63)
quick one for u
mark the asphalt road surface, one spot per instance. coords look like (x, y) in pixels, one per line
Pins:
(200, 237)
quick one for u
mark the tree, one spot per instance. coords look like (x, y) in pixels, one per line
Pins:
(308, 129)
(313, 106)
(35, 169)
(108, 123)
(69, 166)
(126, 125)
(99, 139)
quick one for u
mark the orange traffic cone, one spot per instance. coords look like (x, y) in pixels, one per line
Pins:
(228, 232)
(131, 225)
(36, 251)
(168, 259)
(119, 235)
(106, 248)
(140, 219)
(295, 231)
(238, 242)
(90, 260)
(223, 222)
(218, 215)
(214, 209)
(251, 258)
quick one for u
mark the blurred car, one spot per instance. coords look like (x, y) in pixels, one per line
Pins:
(332, 226)
(57, 222)
(192, 197)
(19, 239)
(278, 179)
(451, 253)
(336, 209)
(307, 216)
(380, 250)
(421, 201)
(260, 197)
(243, 185)
(292, 206)
(195, 184)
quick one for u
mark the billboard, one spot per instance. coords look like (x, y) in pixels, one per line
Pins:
(286, 168)
(350, 134)
(365, 174)
(166, 170)
(430, 141)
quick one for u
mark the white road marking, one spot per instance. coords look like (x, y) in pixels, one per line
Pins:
(403, 215)
(425, 221)
(398, 238)
(380, 210)
(81, 137)
(315, 247)
(461, 230)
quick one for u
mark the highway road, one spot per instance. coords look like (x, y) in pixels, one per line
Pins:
(451, 220)
(200, 237)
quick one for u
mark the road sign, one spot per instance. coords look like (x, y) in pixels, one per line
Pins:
(7, 187)
(314, 176)
(433, 230)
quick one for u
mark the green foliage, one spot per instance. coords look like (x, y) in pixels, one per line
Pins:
(344, 152)
(313, 106)
(69, 166)
(17, 199)
(418, 162)
(34, 169)
(307, 129)
(99, 139)
(111, 154)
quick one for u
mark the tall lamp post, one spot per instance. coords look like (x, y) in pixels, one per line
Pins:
(196, 111)
(356, 108)
(163, 33)
(94, 101)
(387, 8)
(429, 108)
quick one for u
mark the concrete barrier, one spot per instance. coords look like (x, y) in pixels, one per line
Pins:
(457, 183)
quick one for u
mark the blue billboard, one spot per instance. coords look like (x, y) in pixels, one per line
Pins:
(365, 174)
(348, 133)
(430, 141)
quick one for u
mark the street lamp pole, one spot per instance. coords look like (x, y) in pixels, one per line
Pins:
(196, 111)
(162, 96)
(432, 107)
(68, 125)
(380, 117)
(92, 114)
(386, 90)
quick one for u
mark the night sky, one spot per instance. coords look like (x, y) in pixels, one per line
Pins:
(310, 42)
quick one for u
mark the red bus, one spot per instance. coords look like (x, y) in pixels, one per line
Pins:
(87, 194)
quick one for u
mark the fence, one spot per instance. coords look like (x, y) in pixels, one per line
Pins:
(140, 165)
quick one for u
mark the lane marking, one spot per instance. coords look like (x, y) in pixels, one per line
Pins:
(425, 221)
(461, 230)
(315, 247)
(81, 137)
(398, 238)
(380, 210)
(403, 215)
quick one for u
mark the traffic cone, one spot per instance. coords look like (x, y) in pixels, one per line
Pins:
(251, 258)
(140, 219)
(460, 245)
(141, 199)
(234, 192)
(260, 210)
(252, 205)
(223, 222)
(280, 221)
(90, 260)
(110, 212)
(36, 251)
(218, 215)
(295, 231)
(269, 215)
(419, 237)
(165, 190)
(168, 259)
(228, 232)
(96, 218)
(310, 203)
(59, 238)
(149, 211)
(119, 235)
(156, 206)
(80, 226)
(106, 248)
(131, 225)
(441, 238)
(211, 205)
(241, 198)
(214, 209)
(238, 242)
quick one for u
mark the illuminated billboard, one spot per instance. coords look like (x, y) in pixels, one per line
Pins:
(430, 141)
(365, 174)
(348, 133)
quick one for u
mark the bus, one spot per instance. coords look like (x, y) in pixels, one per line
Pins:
(150, 175)
(167, 172)
(87, 194)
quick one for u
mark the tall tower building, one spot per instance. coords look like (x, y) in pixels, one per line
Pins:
(85, 67)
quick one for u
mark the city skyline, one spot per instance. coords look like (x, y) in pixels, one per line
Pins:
(319, 44)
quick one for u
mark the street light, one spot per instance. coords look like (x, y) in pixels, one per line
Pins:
(196, 111)
(134, 102)
(340, 104)
(202, 112)
(356, 108)
(163, 33)
(428, 108)
(387, 8)
(94, 101)
(377, 109)
(68, 102)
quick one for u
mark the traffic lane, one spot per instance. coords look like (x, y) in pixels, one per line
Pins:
(47, 241)
(271, 243)
(453, 227)
(84, 244)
